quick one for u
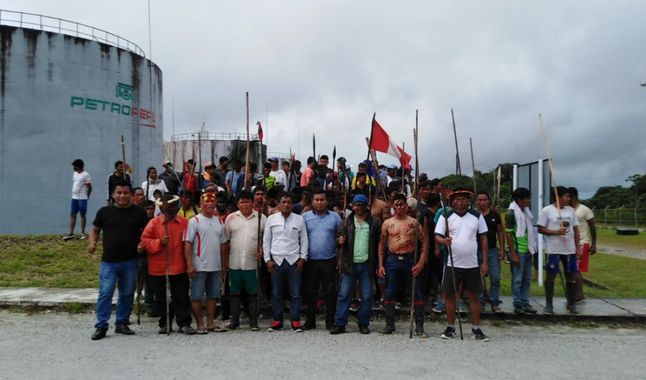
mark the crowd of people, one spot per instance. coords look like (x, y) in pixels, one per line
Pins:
(327, 240)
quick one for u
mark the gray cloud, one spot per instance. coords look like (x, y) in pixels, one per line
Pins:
(325, 67)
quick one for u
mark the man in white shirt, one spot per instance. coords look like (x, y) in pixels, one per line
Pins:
(244, 230)
(204, 242)
(588, 236)
(81, 190)
(463, 231)
(560, 227)
(276, 172)
(285, 247)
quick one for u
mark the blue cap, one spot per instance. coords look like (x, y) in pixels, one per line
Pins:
(359, 198)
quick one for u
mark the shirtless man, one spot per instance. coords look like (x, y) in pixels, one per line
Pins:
(399, 235)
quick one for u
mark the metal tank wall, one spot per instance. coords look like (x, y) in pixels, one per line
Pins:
(63, 97)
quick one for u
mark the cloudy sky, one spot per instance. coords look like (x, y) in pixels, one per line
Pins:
(325, 66)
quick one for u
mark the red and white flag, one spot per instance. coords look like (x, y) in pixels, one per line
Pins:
(381, 142)
(260, 134)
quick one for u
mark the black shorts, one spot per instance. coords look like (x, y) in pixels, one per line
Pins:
(469, 278)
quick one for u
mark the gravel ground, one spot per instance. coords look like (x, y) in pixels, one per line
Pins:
(58, 345)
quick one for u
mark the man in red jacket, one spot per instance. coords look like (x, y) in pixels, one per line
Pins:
(162, 241)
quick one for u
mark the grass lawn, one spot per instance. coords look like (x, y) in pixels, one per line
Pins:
(608, 236)
(47, 261)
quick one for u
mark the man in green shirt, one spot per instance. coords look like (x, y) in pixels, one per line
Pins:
(519, 228)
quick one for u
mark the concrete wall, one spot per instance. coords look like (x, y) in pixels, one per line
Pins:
(63, 98)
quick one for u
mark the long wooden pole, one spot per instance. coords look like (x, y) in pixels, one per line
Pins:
(123, 157)
(458, 169)
(548, 151)
(246, 166)
(473, 168)
(415, 147)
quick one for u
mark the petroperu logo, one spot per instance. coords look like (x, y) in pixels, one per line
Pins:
(125, 92)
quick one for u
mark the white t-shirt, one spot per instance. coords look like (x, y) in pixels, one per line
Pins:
(549, 218)
(281, 177)
(154, 185)
(79, 185)
(464, 231)
(242, 234)
(206, 234)
(584, 214)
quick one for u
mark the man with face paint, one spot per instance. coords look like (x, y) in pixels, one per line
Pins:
(205, 243)
(466, 228)
(162, 241)
(357, 260)
(399, 235)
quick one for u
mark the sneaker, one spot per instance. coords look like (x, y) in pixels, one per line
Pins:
(364, 330)
(162, 330)
(528, 309)
(449, 333)
(297, 327)
(420, 333)
(310, 324)
(275, 326)
(123, 329)
(549, 309)
(187, 330)
(398, 306)
(68, 237)
(336, 330)
(479, 335)
(232, 326)
(354, 306)
(388, 330)
(83, 236)
(519, 310)
(99, 334)
(439, 309)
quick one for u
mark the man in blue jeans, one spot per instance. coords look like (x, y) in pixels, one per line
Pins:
(122, 224)
(494, 235)
(357, 262)
(285, 252)
(397, 241)
(521, 238)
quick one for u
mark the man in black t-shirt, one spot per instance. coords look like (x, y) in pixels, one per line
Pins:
(122, 224)
(494, 235)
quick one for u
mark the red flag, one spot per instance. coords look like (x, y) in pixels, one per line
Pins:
(260, 134)
(381, 142)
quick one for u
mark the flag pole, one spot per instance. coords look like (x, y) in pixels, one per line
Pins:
(473, 166)
(458, 169)
(246, 166)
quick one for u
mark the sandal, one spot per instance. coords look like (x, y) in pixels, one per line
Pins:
(201, 331)
(216, 329)
(496, 309)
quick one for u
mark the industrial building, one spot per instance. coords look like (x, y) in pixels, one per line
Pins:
(69, 91)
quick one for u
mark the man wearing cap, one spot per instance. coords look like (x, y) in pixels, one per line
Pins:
(122, 223)
(170, 178)
(205, 243)
(209, 175)
(359, 239)
(285, 250)
(399, 236)
(323, 227)
(277, 172)
(162, 241)
(345, 172)
(81, 190)
(467, 230)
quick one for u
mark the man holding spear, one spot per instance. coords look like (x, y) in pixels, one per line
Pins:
(461, 229)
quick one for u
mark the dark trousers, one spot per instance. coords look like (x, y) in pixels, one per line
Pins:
(320, 274)
(180, 307)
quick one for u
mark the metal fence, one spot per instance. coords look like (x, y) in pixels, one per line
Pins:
(621, 217)
(71, 28)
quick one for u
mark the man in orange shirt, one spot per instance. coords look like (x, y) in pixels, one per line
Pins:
(162, 241)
